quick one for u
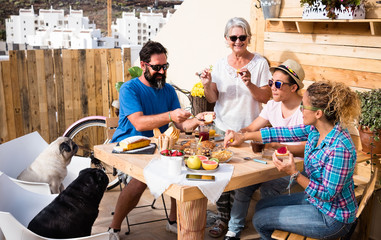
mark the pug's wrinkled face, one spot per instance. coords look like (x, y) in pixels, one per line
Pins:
(68, 148)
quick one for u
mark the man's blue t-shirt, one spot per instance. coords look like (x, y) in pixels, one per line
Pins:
(134, 97)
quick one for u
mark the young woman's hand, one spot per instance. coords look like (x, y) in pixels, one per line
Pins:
(287, 165)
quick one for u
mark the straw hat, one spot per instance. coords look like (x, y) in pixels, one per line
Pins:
(293, 69)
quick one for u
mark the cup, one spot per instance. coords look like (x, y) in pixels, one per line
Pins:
(174, 165)
(188, 132)
(257, 147)
(212, 130)
(204, 132)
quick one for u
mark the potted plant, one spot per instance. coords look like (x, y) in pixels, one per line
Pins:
(370, 121)
(333, 9)
(134, 72)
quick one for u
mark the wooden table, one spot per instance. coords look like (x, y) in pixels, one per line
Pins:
(191, 203)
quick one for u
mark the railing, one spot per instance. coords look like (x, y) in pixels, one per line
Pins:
(47, 90)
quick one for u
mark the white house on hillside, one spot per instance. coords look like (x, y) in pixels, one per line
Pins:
(52, 29)
(130, 30)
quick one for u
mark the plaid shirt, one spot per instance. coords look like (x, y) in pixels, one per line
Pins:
(329, 167)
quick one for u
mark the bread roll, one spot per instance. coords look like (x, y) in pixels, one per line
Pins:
(282, 153)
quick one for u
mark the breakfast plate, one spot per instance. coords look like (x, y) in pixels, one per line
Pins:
(202, 170)
(222, 155)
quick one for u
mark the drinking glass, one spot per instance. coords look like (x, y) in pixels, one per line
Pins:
(188, 132)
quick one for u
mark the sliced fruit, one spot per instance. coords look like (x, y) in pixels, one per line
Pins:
(209, 165)
(214, 159)
(203, 158)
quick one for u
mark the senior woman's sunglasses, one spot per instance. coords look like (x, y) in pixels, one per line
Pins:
(278, 84)
(242, 38)
(158, 67)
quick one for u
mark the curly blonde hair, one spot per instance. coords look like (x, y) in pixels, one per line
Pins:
(339, 102)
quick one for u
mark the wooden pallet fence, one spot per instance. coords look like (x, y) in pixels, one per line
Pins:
(48, 90)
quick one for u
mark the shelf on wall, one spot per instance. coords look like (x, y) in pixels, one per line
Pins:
(352, 27)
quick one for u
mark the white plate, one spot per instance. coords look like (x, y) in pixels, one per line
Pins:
(201, 170)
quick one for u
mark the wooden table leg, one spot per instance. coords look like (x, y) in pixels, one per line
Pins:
(191, 219)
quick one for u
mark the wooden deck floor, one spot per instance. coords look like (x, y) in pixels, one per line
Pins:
(150, 231)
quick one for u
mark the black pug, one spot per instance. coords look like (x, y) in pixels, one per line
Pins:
(73, 212)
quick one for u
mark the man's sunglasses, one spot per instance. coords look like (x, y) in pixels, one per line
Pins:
(242, 38)
(278, 84)
(158, 67)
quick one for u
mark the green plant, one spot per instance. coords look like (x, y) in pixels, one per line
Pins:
(134, 72)
(332, 4)
(371, 111)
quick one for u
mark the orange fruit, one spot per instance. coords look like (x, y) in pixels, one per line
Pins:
(209, 165)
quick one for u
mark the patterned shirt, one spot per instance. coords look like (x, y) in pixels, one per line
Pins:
(329, 167)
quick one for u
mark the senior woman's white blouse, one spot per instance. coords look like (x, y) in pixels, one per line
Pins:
(235, 107)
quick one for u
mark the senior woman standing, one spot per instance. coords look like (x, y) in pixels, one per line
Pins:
(238, 86)
(327, 207)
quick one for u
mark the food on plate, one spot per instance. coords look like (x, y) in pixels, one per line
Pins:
(156, 132)
(222, 155)
(194, 162)
(208, 144)
(203, 158)
(134, 142)
(209, 165)
(169, 138)
(173, 153)
(208, 118)
(282, 153)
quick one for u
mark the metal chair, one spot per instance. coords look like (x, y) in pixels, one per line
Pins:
(112, 124)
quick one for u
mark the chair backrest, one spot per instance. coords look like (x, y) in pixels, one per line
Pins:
(111, 125)
(368, 191)
(21, 203)
(18, 154)
(19, 206)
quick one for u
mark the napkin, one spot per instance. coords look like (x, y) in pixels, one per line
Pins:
(157, 179)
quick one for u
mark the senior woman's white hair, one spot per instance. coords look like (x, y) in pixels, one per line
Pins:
(237, 22)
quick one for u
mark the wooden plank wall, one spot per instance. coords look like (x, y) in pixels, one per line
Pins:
(333, 51)
(48, 90)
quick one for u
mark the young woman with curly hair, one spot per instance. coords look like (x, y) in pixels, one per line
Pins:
(327, 207)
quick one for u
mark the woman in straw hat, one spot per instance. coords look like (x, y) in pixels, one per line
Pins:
(282, 110)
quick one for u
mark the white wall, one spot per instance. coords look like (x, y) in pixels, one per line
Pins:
(194, 36)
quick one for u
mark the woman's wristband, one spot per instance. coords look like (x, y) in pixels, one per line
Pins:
(293, 177)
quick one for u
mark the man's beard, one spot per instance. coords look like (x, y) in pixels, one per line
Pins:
(154, 81)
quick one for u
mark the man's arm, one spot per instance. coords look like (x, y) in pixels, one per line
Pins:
(148, 122)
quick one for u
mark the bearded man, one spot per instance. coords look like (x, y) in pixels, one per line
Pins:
(146, 103)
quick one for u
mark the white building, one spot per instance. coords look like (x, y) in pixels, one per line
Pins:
(130, 30)
(52, 29)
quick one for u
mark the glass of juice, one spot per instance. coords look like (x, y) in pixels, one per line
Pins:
(204, 132)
